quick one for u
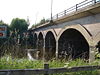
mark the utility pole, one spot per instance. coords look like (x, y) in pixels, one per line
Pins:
(28, 22)
(51, 8)
(36, 17)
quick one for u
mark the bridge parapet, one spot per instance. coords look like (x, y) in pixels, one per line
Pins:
(75, 8)
(83, 9)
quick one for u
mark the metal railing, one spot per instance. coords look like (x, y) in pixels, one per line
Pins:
(75, 8)
(47, 71)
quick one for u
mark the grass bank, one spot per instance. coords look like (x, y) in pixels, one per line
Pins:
(7, 62)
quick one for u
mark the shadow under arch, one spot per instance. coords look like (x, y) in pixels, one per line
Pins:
(35, 41)
(97, 38)
(31, 53)
(50, 45)
(53, 32)
(40, 43)
(97, 42)
(73, 42)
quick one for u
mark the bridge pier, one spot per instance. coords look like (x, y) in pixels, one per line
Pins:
(56, 49)
(44, 50)
(92, 53)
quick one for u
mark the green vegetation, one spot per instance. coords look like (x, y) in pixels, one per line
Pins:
(7, 62)
(19, 25)
(42, 21)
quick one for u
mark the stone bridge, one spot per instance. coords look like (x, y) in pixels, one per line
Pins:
(73, 33)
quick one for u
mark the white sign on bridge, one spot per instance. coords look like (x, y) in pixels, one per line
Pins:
(3, 31)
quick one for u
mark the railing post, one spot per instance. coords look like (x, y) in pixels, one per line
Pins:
(57, 16)
(94, 1)
(64, 12)
(46, 67)
(76, 7)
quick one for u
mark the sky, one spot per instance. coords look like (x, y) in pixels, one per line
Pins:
(35, 10)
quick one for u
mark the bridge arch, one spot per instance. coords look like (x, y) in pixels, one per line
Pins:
(74, 42)
(40, 45)
(50, 45)
(41, 33)
(82, 30)
(53, 32)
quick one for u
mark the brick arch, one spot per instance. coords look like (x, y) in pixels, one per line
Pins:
(53, 31)
(40, 45)
(81, 29)
(50, 45)
(40, 33)
(35, 33)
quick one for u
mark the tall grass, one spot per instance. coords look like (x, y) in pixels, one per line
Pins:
(7, 62)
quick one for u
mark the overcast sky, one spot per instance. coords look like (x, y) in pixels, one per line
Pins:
(34, 9)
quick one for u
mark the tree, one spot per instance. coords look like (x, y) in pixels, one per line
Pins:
(19, 25)
(42, 21)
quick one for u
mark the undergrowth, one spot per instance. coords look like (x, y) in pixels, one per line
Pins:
(7, 62)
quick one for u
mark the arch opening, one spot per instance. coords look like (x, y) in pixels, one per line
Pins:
(30, 40)
(72, 45)
(98, 46)
(35, 41)
(32, 54)
(40, 45)
(98, 51)
(50, 46)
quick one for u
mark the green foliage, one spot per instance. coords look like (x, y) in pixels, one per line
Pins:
(25, 63)
(97, 55)
(42, 21)
(7, 62)
(19, 25)
(80, 62)
(85, 73)
(2, 23)
(56, 63)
